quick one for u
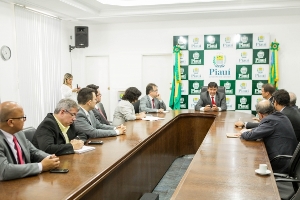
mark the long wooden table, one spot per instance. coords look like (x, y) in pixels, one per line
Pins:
(127, 166)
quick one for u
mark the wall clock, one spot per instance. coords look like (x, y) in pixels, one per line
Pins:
(5, 53)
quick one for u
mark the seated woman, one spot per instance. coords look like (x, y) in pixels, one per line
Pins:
(125, 110)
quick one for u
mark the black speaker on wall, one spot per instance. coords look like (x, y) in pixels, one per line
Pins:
(81, 36)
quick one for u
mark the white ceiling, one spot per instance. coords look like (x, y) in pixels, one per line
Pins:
(96, 12)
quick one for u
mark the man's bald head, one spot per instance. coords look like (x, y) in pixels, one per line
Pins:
(264, 107)
(11, 115)
(7, 110)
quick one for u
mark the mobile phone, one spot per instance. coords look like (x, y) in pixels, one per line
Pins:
(95, 142)
(77, 86)
(59, 171)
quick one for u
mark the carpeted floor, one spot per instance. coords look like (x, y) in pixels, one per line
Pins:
(166, 187)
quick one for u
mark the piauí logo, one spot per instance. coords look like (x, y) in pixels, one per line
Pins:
(244, 54)
(219, 60)
(228, 39)
(181, 100)
(227, 85)
(211, 39)
(181, 40)
(195, 99)
(196, 70)
(243, 85)
(259, 99)
(260, 54)
(195, 40)
(244, 70)
(243, 100)
(196, 85)
(181, 70)
(244, 39)
(259, 85)
(261, 38)
(260, 70)
(227, 100)
(196, 55)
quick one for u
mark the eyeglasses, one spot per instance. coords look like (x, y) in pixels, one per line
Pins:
(72, 114)
(23, 118)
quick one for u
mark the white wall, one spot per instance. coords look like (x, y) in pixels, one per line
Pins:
(125, 44)
(8, 69)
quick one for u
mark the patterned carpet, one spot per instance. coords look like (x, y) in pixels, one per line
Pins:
(166, 187)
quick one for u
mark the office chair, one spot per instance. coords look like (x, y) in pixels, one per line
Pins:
(220, 89)
(288, 184)
(136, 106)
(29, 132)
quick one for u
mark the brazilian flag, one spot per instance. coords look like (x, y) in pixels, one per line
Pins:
(273, 76)
(176, 83)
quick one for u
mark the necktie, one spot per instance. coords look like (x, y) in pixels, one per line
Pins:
(19, 151)
(103, 116)
(89, 118)
(213, 101)
(153, 105)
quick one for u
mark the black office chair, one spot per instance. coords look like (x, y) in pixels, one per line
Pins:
(288, 184)
(29, 132)
(220, 89)
(136, 106)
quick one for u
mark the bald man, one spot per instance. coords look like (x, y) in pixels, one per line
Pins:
(18, 157)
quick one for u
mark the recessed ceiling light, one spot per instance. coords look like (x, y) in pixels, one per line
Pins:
(152, 2)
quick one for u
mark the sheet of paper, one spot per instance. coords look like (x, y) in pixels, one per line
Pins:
(149, 118)
(231, 135)
(84, 149)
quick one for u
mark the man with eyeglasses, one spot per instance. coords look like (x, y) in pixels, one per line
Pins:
(57, 133)
(152, 102)
(86, 121)
(18, 157)
(99, 110)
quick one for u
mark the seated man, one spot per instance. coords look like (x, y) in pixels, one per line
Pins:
(152, 102)
(267, 90)
(99, 111)
(57, 133)
(18, 157)
(293, 100)
(211, 100)
(86, 121)
(277, 133)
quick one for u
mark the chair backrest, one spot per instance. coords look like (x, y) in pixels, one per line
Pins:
(220, 89)
(294, 166)
(136, 106)
(29, 132)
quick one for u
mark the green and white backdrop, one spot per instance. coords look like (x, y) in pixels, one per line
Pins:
(239, 62)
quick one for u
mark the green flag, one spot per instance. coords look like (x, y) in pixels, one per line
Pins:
(176, 83)
(273, 76)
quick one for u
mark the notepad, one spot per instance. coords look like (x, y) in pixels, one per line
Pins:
(149, 118)
(84, 149)
(166, 111)
(231, 135)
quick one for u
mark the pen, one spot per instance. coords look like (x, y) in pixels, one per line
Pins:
(77, 138)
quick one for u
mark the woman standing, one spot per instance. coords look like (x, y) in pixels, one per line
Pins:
(66, 88)
(125, 110)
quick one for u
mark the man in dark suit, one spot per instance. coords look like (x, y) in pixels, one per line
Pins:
(152, 102)
(57, 134)
(211, 100)
(277, 133)
(293, 100)
(18, 157)
(86, 121)
(99, 110)
(267, 90)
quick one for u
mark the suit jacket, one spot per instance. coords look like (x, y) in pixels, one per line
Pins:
(9, 169)
(49, 138)
(102, 119)
(279, 138)
(220, 100)
(146, 104)
(123, 112)
(94, 130)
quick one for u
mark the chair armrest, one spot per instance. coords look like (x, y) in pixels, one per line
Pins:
(287, 180)
(281, 156)
(281, 175)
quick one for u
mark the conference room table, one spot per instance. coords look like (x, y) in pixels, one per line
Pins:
(127, 166)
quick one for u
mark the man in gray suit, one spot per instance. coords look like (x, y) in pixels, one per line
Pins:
(277, 133)
(152, 102)
(86, 121)
(99, 110)
(211, 100)
(18, 157)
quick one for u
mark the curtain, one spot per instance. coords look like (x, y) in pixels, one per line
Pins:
(38, 42)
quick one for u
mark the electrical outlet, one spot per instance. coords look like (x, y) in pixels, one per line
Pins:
(71, 37)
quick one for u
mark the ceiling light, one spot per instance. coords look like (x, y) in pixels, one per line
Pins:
(152, 2)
